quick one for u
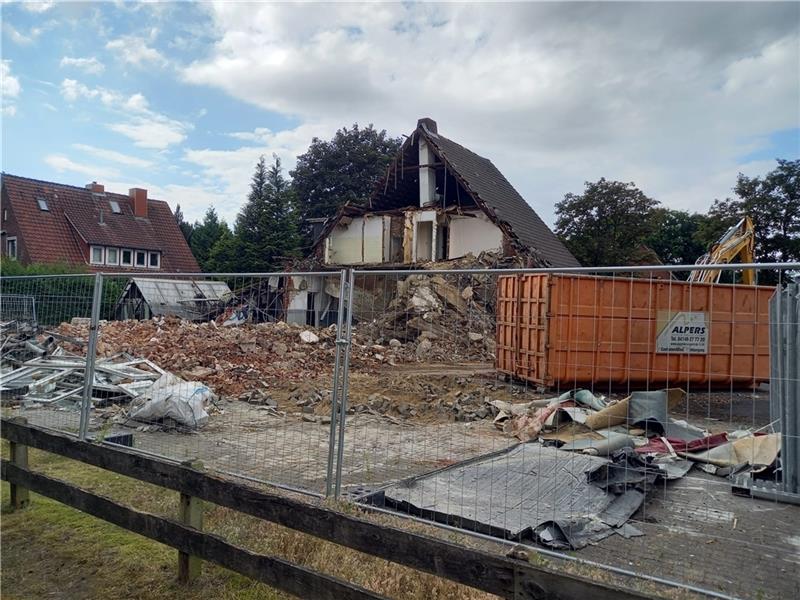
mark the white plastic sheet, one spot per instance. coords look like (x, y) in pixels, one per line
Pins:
(171, 397)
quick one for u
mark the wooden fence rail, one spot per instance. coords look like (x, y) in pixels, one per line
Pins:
(505, 577)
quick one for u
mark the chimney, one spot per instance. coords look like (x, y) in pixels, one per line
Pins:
(95, 188)
(429, 124)
(139, 197)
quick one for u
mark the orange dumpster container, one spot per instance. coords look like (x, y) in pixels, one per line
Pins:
(568, 330)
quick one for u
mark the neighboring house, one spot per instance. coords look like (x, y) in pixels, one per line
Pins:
(45, 222)
(439, 201)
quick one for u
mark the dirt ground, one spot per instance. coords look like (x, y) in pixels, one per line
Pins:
(402, 423)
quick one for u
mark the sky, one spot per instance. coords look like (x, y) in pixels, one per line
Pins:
(182, 98)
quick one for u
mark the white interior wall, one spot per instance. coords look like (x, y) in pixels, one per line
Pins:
(473, 234)
(362, 241)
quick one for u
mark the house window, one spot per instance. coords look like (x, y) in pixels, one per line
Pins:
(5, 214)
(112, 256)
(11, 247)
(42, 204)
(96, 257)
(141, 258)
(115, 207)
(126, 258)
(155, 260)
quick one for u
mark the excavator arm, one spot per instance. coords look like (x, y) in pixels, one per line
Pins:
(738, 241)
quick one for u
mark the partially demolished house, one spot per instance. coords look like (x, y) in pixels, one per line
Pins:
(439, 201)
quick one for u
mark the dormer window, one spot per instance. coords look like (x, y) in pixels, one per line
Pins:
(42, 204)
(115, 207)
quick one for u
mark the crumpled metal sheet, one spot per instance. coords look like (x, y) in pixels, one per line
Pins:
(530, 491)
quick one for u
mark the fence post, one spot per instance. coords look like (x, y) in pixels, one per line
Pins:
(20, 496)
(190, 512)
(337, 368)
(91, 351)
(347, 336)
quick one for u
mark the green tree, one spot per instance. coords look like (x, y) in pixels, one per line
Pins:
(204, 235)
(773, 203)
(266, 228)
(343, 169)
(183, 225)
(675, 236)
(223, 257)
(607, 224)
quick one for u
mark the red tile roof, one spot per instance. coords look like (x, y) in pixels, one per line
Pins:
(73, 220)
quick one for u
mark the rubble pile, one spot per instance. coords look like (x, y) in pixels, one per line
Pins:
(232, 360)
(439, 318)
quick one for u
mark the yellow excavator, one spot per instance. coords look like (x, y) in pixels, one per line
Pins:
(738, 241)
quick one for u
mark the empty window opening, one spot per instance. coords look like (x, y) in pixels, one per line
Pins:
(442, 242)
(424, 241)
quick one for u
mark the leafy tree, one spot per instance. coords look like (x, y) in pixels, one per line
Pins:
(223, 257)
(607, 224)
(266, 228)
(342, 169)
(675, 236)
(204, 235)
(773, 202)
(183, 225)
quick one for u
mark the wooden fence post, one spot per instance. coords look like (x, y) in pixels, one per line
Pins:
(190, 512)
(20, 497)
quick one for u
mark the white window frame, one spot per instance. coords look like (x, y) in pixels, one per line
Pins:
(108, 260)
(136, 254)
(102, 250)
(158, 260)
(16, 247)
(129, 263)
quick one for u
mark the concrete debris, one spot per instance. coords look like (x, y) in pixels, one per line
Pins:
(453, 313)
(230, 360)
(309, 337)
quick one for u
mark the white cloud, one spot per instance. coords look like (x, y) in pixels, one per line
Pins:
(10, 84)
(63, 163)
(89, 65)
(135, 51)
(147, 128)
(37, 7)
(10, 89)
(228, 172)
(152, 131)
(554, 94)
(111, 155)
(259, 134)
(20, 38)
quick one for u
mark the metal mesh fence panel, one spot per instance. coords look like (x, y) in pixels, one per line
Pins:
(39, 379)
(618, 416)
(233, 370)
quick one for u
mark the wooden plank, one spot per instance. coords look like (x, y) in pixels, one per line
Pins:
(481, 570)
(19, 456)
(273, 571)
(190, 512)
